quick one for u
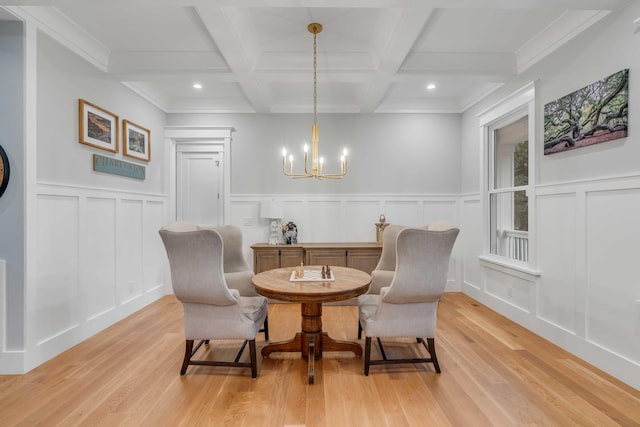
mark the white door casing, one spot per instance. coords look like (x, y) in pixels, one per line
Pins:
(217, 138)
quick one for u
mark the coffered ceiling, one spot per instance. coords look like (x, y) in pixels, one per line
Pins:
(373, 55)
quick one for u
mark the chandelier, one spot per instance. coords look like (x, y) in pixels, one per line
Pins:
(316, 161)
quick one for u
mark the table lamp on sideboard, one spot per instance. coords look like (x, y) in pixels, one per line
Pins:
(272, 209)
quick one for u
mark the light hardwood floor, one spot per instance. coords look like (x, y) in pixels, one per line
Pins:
(494, 373)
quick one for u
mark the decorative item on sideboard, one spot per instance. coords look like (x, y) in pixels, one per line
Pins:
(380, 226)
(290, 233)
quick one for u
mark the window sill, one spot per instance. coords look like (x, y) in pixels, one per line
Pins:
(503, 265)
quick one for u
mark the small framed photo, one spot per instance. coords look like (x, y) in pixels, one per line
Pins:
(137, 141)
(97, 127)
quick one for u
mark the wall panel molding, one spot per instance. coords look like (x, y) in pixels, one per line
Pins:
(347, 218)
(90, 245)
(587, 251)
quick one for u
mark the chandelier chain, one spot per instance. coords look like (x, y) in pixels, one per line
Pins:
(315, 82)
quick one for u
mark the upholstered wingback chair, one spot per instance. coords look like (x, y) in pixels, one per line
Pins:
(408, 306)
(382, 275)
(237, 272)
(211, 309)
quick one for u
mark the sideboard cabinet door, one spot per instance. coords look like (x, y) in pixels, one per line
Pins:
(269, 257)
(291, 256)
(363, 259)
(324, 256)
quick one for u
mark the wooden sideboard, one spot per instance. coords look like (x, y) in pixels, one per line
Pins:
(362, 256)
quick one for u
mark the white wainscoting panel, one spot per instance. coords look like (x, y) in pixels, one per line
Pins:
(129, 246)
(254, 228)
(55, 288)
(361, 217)
(557, 293)
(613, 257)
(3, 306)
(324, 221)
(153, 253)
(98, 266)
(470, 239)
(347, 218)
(97, 259)
(439, 210)
(405, 212)
(509, 288)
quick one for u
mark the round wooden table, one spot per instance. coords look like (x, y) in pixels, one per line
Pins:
(311, 341)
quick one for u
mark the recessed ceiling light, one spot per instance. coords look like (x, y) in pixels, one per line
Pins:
(197, 86)
(431, 86)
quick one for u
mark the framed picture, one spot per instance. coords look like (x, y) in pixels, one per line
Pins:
(591, 115)
(97, 126)
(137, 141)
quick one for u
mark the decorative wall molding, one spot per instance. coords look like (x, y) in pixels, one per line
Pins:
(347, 218)
(592, 184)
(587, 233)
(98, 259)
(45, 187)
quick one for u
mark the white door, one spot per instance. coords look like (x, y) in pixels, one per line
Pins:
(199, 185)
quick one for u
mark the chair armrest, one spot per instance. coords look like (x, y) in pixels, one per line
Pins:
(379, 280)
(241, 281)
(235, 294)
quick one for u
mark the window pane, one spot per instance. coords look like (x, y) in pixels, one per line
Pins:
(509, 220)
(511, 155)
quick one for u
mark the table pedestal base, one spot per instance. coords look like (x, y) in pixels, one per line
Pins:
(312, 341)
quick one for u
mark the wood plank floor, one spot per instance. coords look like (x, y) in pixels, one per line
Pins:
(494, 373)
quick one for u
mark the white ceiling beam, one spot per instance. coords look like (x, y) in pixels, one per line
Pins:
(399, 45)
(461, 63)
(165, 62)
(218, 24)
(68, 33)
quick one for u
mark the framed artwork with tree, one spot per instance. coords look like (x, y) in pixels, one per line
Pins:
(591, 115)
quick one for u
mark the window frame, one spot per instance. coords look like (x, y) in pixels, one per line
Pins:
(519, 104)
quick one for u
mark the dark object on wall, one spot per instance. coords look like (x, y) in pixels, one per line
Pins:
(4, 171)
(118, 167)
(290, 233)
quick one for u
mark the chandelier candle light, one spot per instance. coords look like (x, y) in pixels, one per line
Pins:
(316, 161)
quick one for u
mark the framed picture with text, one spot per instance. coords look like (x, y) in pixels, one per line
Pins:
(137, 141)
(97, 127)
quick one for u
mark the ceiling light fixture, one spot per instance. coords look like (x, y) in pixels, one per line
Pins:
(197, 86)
(431, 86)
(316, 162)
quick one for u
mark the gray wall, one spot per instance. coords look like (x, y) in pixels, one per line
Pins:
(12, 202)
(63, 77)
(388, 153)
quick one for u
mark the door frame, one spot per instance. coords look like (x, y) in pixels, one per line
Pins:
(194, 135)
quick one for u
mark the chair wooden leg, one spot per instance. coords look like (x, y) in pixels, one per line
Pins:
(432, 352)
(367, 355)
(254, 359)
(187, 356)
(266, 328)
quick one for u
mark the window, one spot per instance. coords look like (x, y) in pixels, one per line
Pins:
(507, 128)
(509, 178)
